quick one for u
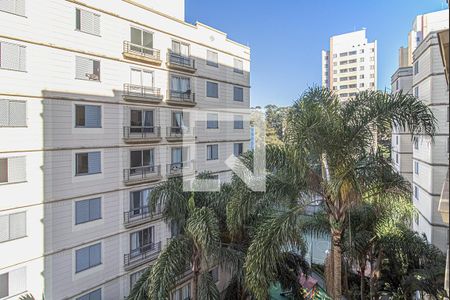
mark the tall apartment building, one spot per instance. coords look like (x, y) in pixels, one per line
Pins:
(421, 160)
(350, 65)
(99, 101)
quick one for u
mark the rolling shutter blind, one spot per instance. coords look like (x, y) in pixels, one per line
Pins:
(93, 116)
(13, 6)
(94, 162)
(84, 66)
(16, 169)
(17, 225)
(12, 56)
(17, 281)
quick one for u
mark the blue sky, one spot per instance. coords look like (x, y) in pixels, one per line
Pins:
(286, 36)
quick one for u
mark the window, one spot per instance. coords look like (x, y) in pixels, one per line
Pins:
(343, 54)
(12, 56)
(416, 68)
(215, 274)
(212, 152)
(88, 116)
(372, 84)
(88, 210)
(397, 84)
(88, 257)
(87, 21)
(88, 163)
(183, 293)
(372, 75)
(141, 41)
(238, 122)
(372, 58)
(212, 89)
(142, 121)
(361, 51)
(94, 295)
(238, 94)
(13, 226)
(352, 52)
(361, 68)
(343, 87)
(361, 76)
(396, 139)
(334, 55)
(238, 66)
(212, 121)
(13, 169)
(141, 78)
(180, 84)
(352, 86)
(134, 277)
(13, 113)
(238, 149)
(13, 282)
(212, 58)
(142, 241)
(142, 162)
(335, 71)
(361, 59)
(87, 69)
(416, 192)
(372, 67)
(181, 49)
(361, 84)
(335, 64)
(16, 7)
(335, 80)
(416, 143)
(372, 50)
(396, 158)
(179, 155)
(416, 167)
(416, 92)
(344, 78)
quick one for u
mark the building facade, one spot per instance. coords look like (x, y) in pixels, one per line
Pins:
(422, 160)
(99, 102)
(350, 65)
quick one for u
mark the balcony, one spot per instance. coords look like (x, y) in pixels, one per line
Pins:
(174, 134)
(180, 62)
(140, 215)
(141, 134)
(141, 53)
(181, 98)
(142, 174)
(139, 93)
(141, 255)
(180, 168)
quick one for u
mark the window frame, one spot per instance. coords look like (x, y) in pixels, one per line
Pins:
(91, 266)
(210, 84)
(234, 93)
(99, 107)
(214, 64)
(24, 213)
(79, 24)
(87, 173)
(212, 147)
(239, 122)
(210, 123)
(8, 114)
(90, 219)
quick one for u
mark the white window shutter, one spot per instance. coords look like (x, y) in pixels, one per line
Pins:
(84, 66)
(18, 225)
(16, 169)
(17, 281)
(4, 113)
(93, 116)
(8, 5)
(4, 228)
(17, 113)
(20, 7)
(10, 56)
(22, 58)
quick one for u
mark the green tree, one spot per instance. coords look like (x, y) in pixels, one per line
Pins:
(330, 153)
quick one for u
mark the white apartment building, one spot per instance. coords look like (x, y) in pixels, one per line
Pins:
(350, 65)
(99, 101)
(421, 160)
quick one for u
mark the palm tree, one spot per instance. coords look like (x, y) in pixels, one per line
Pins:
(197, 245)
(330, 152)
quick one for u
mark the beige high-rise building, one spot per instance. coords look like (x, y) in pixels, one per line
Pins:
(350, 65)
(99, 102)
(420, 159)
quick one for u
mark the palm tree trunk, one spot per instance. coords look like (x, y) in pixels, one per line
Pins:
(337, 264)
(361, 288)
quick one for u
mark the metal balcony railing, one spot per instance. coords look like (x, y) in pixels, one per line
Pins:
(141, 132)
(141, 254)
(141, 91)
(180, 60)
(139, 50)
(178, 168)
(179, 132)
(141, 173)
(181, 96)
(138, 214)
